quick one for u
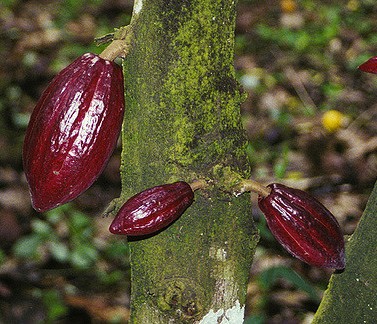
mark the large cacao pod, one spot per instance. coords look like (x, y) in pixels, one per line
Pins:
(73, 130)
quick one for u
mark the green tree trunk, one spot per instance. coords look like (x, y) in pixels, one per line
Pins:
(182, 122)
(352, 295)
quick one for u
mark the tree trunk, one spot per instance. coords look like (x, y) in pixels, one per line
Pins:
(182, 122)
(352, 295)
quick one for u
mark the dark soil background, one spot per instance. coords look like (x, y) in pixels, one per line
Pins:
(296, 60)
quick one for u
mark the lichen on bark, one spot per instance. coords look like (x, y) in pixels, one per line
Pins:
(183, 122)
(351, 295)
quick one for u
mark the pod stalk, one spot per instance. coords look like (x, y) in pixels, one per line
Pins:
(198, 184)
(254, 186)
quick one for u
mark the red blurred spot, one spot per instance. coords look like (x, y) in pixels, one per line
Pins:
(369, 66)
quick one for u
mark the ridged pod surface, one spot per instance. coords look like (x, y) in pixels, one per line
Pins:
(73, 130)
(303, 226)
(152, 209)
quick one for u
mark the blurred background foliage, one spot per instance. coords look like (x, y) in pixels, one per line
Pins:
(310, 118)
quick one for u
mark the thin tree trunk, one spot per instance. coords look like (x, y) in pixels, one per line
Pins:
(182, 122)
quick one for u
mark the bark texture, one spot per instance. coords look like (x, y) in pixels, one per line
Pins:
(182, 122)
(351, 295)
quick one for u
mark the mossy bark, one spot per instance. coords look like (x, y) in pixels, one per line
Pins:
(182, 122)
(352, 295)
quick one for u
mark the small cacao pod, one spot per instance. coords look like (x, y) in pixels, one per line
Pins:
(303, 226)
(152, 209)
(73, 130)
(369, 66)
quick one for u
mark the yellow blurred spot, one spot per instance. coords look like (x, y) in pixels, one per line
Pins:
(294, 175)
(332, 120)
(353, 5)
(288, 6)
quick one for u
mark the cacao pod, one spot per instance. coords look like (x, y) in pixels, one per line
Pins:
(303, 226)
(73, 130)
(152, 209)
(369, 66)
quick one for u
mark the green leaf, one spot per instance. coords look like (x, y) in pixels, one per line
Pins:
(9, 3)
(59, 251)
(41, 228)
(268, 277)
(118, 250)
(79, 221)
(27, 247)
(264, 231)
(83, 256)
(56, 214)
(3, 256)
(111, 278)
(54, 304)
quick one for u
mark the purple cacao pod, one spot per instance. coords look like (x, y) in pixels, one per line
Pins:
(73, 130)
(369, 66)
(303, 226)
(152, 209)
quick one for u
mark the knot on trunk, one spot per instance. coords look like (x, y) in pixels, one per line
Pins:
(178, 296)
